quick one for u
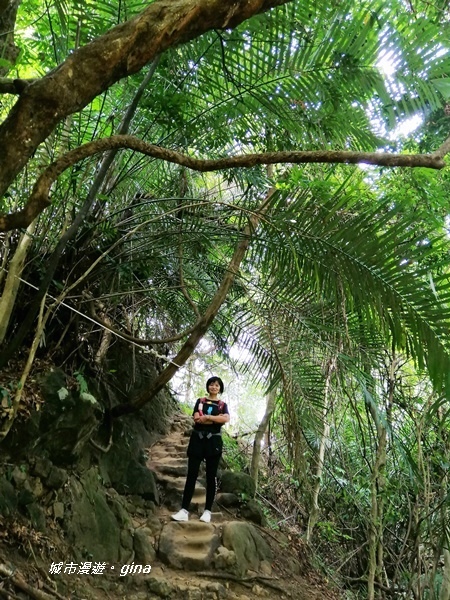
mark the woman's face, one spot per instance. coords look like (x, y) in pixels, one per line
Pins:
(214, 387)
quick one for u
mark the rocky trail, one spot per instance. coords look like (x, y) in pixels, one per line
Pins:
(228, 558)
(231, 558)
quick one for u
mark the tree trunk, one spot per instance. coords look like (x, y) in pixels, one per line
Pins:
(13, 410)
(378, 484)
(270, 406)
(8, 298)
(444, 593)
(314, 510)
(445, 588)
(8, 49)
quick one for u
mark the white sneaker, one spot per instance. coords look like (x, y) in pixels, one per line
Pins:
(206, 516)
(181, 515)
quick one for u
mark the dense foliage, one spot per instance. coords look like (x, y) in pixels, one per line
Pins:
(333, 277)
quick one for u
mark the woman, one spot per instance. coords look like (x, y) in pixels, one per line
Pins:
(205, 444)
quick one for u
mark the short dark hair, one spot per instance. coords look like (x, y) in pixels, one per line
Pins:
(212, 380)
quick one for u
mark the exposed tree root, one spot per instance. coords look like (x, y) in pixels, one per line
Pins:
(246, 581)
(17, 580)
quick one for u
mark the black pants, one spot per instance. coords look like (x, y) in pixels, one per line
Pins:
(194, 462)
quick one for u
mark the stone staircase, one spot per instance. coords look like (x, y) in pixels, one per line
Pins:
(189, 545)
(225, 551)
(168, 461)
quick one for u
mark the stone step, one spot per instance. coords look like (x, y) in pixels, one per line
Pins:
(157, 463)
(169, 449)
(189, 545)
(169, 460)
(173, 492)
(217, 516)
(168, 453)
(175, 483)
(175, 470)
(180, 425)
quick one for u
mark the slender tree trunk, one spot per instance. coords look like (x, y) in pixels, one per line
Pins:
(8, 298)
(444, 593)
(445, 588)
(5, 254)
(104, 343)
(270, 406)
(314, 510)
(378, 484)
(376, 514)
(14, 409)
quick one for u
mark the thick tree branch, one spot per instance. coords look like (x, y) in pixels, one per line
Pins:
(39, 198)
(93, 68)
(8, 49)
(443, 149)
(14, 86)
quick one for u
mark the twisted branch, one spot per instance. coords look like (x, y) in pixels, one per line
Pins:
(39, 198)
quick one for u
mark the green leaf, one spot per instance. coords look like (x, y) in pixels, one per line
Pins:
(442, 86)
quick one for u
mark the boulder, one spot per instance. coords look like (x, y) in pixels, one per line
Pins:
(57, 477)
(142, 544)
(224, 559)
(92, 527)
(251, 511)
(248, 545)
(159, 586)
(237, 483)
(154, 525)
(228, 499)
(8, 498)
(42, 466)
(138, 481)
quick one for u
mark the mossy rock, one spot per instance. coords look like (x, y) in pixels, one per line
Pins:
(251, 511)
(93, 529)
(8, 498)
(240, 484)
(248, 545)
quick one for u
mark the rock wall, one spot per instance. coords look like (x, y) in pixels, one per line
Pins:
(68, 466)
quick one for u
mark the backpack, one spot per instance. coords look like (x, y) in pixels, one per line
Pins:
(220, 406)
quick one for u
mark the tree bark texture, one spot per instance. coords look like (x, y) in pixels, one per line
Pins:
(9, 295)
(8, 49)
(256, 454)
(445, 588)
(93, 68)
(39, 199)
(314, 510)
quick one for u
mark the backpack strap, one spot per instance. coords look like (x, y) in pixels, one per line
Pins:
(220, 406)
(200, 406)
